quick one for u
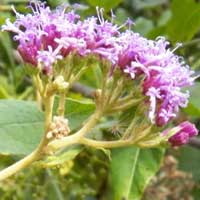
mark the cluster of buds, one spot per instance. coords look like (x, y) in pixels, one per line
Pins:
(60, 84)
(59, 128)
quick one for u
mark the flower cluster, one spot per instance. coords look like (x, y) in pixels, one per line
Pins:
(46, 36)
(165, 74)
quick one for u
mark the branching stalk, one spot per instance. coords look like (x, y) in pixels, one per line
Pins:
(77, 137)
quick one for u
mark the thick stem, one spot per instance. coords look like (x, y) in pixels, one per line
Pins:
(23, 163)
(106, 144)
(26, 161)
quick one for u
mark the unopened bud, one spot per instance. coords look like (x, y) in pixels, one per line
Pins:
(60, 84)
(58, 128)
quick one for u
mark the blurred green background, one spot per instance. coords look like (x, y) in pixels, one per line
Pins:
(86, 175)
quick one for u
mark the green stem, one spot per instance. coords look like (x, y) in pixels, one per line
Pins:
(38, 83)
(61, 106)
(106, 144)
(116, 93)
(125, 99)
(125, 106)
(23, 163)
(78, 75)
(130, 128)
(37, 153)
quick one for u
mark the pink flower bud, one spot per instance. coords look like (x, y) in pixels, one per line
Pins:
(186, 131)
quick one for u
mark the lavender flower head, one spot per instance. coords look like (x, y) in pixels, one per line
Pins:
(46, 36)
(58, 33)
(165, 74)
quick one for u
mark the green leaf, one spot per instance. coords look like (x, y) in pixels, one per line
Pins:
(21, 126)
(183, 30)
(121, 15)
(63, 157)
(55, 3)
(21, 123)
(77, 111)
(6, 49)
(143, 25)
(131, 170)
(106, 4)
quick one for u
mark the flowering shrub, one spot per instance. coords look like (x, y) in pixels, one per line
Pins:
(141, 76)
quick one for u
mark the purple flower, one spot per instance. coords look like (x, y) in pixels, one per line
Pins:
(164, 74)
(46, 28)
(48, 58)
(182, 136)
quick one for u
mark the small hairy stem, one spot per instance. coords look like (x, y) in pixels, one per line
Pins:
(38, 83)
(61, 106)
(78, 75)
(39, 100)
(35, 155)
(124, 106)
(104, 85)
(130, 129)
(142, 134)
(116, 93)
(125, 99)
(48, 102)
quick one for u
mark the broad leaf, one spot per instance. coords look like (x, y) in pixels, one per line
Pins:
(77, 111)
(21, 126)
(143, 25)
(21, 123)
(131, 170)
(63, 157)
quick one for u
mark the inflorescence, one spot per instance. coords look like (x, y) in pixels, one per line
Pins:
(46, 36)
